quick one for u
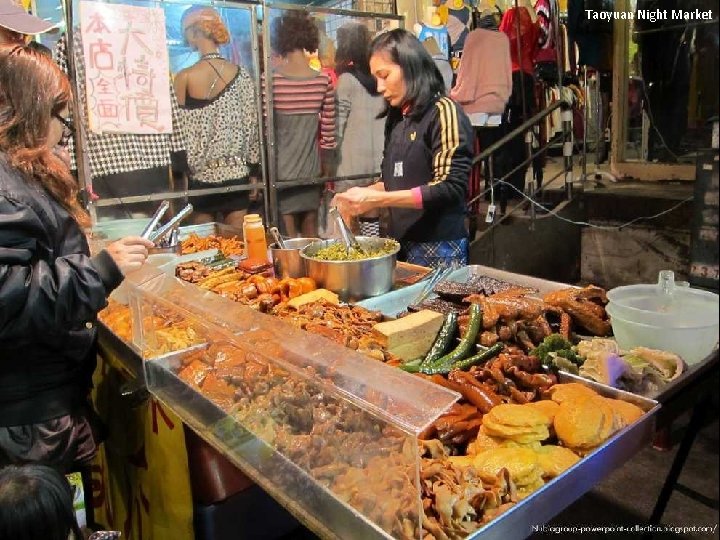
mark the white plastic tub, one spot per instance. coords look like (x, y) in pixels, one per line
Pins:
(686, 324)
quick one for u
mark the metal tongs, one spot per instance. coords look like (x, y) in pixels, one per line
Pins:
(170, 226)
(347, 235)
(279, 242)
(440, 274)
(155, 219)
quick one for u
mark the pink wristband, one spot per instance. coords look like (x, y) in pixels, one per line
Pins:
(417, 197)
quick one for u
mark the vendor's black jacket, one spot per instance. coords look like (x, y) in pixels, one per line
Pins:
(433, 152)
(50, 293)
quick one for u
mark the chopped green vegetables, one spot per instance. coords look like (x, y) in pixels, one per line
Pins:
(339, 252)
(557, 352)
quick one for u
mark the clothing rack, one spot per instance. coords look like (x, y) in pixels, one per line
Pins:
(595, 98)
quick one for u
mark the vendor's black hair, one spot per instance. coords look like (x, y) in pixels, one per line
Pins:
(36, 503)
(423, 81)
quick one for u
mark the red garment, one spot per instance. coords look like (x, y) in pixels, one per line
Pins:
(331, 75)
(545, 20)
(529, 35)
(474, 181)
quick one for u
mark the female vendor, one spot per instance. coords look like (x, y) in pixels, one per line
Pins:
(427, 157)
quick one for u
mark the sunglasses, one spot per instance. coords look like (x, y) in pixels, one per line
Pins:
(66, 122)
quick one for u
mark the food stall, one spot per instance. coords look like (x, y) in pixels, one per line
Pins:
(214, 373)
(258, 391)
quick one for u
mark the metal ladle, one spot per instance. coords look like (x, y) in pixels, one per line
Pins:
(347, 235)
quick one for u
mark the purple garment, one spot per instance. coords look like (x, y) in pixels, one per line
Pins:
(66, 443)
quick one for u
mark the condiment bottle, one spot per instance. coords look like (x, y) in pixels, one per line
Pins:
(255, 241)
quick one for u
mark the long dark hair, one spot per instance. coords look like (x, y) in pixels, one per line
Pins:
(423, 82)
(352, 54)
(36, 503)
(32, 90)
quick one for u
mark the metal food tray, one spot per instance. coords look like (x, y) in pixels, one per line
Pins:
(692, 375)
(545, 503)
(308, 499)
(111, 346)
(305, 499)
(395, 302)
(209, 229)
(128, 355)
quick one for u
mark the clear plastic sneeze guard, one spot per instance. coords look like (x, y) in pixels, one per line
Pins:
(329, 433)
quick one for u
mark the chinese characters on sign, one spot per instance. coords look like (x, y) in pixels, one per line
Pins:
(127, 76)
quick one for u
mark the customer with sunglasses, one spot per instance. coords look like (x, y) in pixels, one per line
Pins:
(51, 289)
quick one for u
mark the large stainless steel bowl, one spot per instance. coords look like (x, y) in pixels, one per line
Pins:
(352, 280)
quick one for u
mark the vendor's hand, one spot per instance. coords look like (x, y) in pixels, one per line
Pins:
(129, 253)
(356, 201)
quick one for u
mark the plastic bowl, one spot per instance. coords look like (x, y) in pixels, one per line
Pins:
(687, 308)
(692, 343)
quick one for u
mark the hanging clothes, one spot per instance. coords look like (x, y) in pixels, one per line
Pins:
(457, 21)
(484, 80)
(524, 31)
(593, 36)
(546, 11)
(440, 34)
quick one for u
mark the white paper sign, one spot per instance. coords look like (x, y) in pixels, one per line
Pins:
(127, 77)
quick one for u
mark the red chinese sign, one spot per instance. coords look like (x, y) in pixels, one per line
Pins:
(127, 74)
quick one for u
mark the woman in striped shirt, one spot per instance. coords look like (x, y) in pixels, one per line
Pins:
(303, 105)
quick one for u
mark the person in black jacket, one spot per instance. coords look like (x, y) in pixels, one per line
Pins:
(50, 288)
(427, 157)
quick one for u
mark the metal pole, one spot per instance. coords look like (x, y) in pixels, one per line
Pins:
(599, 131)
(530, 186)
(566, 116)
(261, 120)
(491, 176)
(518, 43)
(271, 180)
(81, 155)
(494, 147)
(585, 125)
(558, 43)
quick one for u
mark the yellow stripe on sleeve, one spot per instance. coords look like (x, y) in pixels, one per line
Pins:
(449, 140)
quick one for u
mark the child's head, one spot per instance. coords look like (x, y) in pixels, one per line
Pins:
(36, 503)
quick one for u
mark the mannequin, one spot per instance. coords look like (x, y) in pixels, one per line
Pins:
(432, 27)
(456, 15)
(441, 61)
(220, 120)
